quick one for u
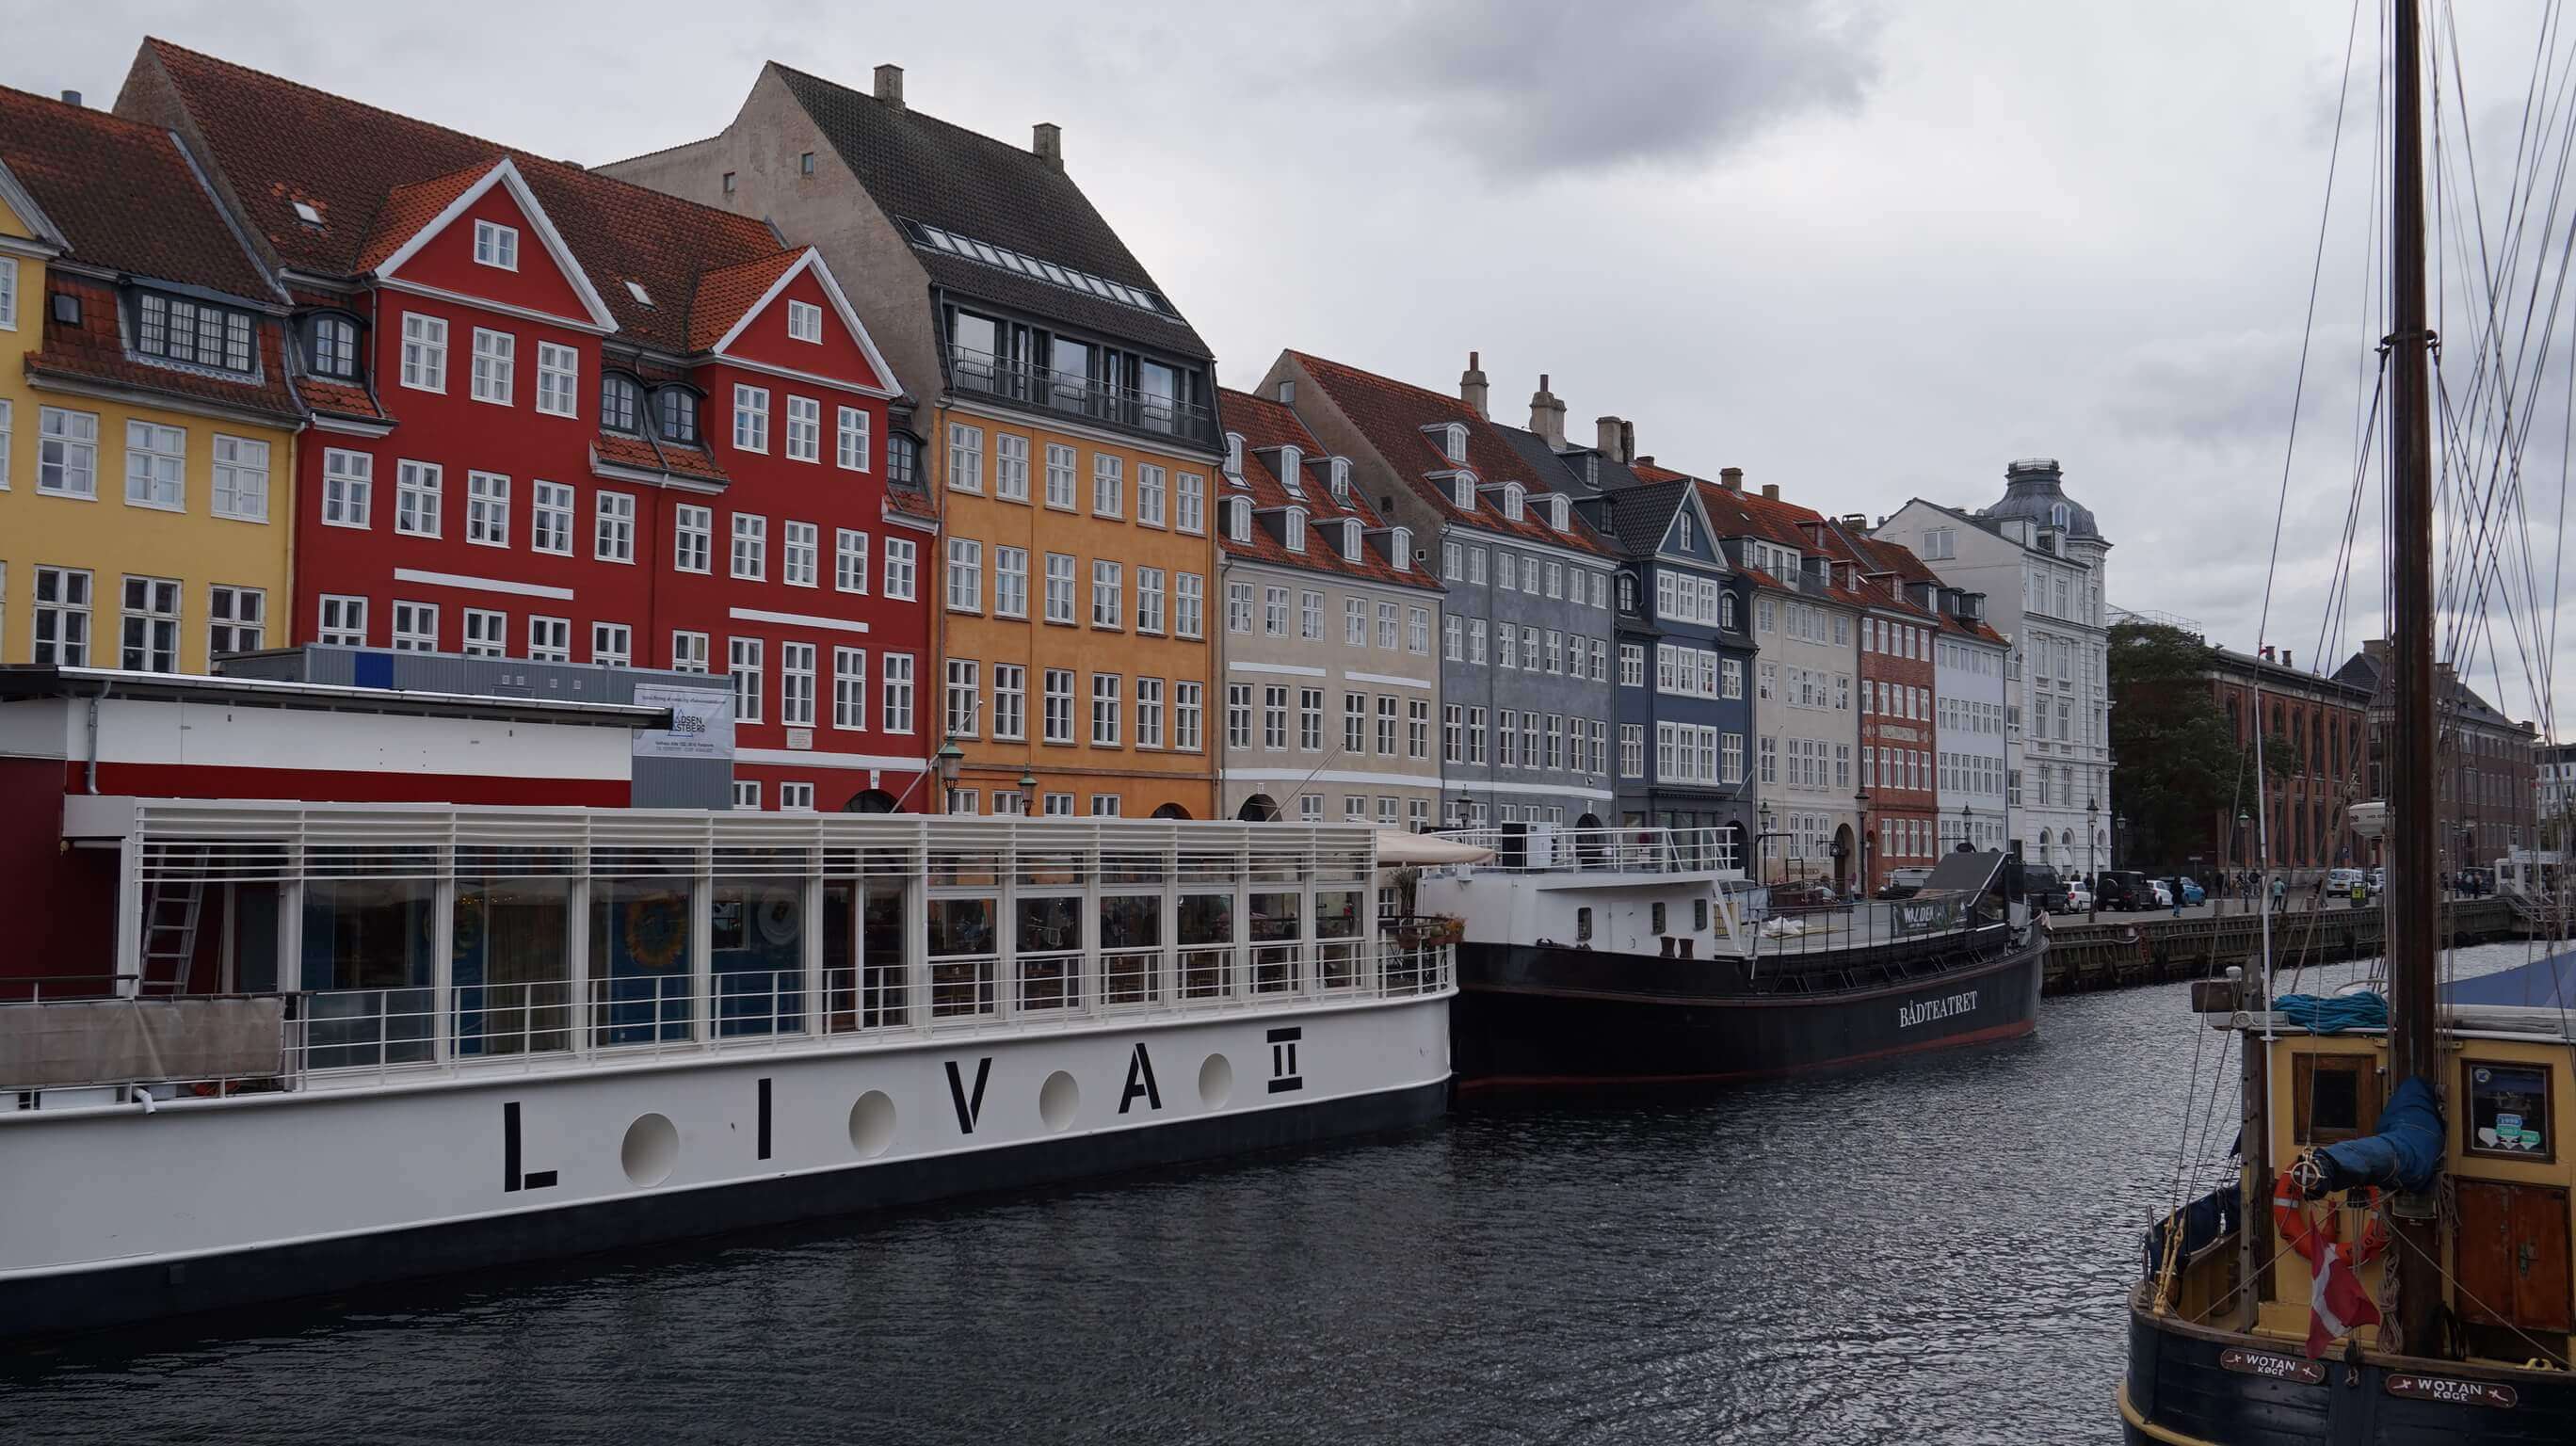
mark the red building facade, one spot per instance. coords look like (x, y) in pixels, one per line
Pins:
(562, 418)
(1900, 751)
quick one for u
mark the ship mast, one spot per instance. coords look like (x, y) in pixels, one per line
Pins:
(2413, 891)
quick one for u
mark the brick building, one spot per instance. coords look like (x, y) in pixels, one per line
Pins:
(2487, 761)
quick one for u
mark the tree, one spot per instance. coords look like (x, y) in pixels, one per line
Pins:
(2175, 760)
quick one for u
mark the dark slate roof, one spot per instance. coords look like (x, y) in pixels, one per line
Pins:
(124, 196)
(923, 169)
(2032, 489)
(1639, 517)
(1602, 474)
(2459, 701)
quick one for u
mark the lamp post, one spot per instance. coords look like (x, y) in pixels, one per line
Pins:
(2092, 838)
(947, 761)
(1867, 882)
(1028, 793)
(2244, 838)
(2119, 824)
(1967, 829)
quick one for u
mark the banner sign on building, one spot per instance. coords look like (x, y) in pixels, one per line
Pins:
(701, 722)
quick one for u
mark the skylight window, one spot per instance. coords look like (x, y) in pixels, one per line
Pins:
(642, 297)
(1022, 264)
(305, 213)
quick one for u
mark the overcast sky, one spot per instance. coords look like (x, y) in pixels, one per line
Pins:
(1864, 251)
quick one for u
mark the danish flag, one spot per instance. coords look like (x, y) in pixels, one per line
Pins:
(2337, 1303)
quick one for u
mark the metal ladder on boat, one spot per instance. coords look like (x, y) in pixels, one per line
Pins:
(171, 909)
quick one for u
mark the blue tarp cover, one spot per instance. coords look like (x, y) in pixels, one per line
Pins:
(2322, 1014)
(2405, 1152)
(2541, 984)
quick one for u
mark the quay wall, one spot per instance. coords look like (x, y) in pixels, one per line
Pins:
(2117, 951)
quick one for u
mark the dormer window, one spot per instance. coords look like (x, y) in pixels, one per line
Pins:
(1513, 496)
(194, 332)
(1234, 455)
(332, 346)
(1342, 480)
(1453, 442)
(1465, 495)
(676, 414)
(1296, 534)
(1627, 592)
(496, 245)
(1400, 549)
(621, 403)
(1350, 539)
(1557, 504)
(1238, 519)
(2057, 516)
(1292, 463)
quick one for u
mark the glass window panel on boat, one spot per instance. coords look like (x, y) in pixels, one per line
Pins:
(367, 958)
(1049, 944)
(1337, 932)
(2509, 1110)
(640, 989)
(510, 952)
(1277, 927)
(756, 948)
(863, 971)
(962, 944)
(1131, 936)
(1207, 943)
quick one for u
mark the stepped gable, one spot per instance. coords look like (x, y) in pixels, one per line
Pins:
(1392, 414)
(1265, 426)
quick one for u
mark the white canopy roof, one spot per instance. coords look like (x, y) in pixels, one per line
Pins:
(1398, 849)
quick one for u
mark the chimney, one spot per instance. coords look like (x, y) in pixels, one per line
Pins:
(1627, 441)
(2286, 659)
(1856, 521)
(1547, 414)
(1611, 435)
(1646, 461)
(1770, 491)
(72, 98)
(890, 85)
(1046, 138)
(1472, 388)
(1732, 477)
(2267, 652)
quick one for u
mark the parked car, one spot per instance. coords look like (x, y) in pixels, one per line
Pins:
(2124, 889)
(2377, 881)
(2190, 890)
(2042, 887)
(2079, 899)
(2164, 892)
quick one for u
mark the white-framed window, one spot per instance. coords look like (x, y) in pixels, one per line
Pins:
(796, 684)
(156, 466)
(965, 458)
(750, 417)
(7, 425)
(415, 627)
(800, 558)
(688, 652)
(417, 489)
(965, 575)
(1274, 612)
(496, 245)
(1010, 582)
(746, 791)
(745, 666)
(487, 633)
(613, 530)
(1106, 805)
(1056, 719)
(804, 321)
(1238, 607)
(1149, 600)
(795, 797)
(1386, 628)
(241, 475)
(1150, 492)
(1059, 587)
(1149, 712)
(897, 713)
(1189, 512)
(558, 380)
(1108, 596)
(1238, 715)
(1105, 688)
(1188, 710)
(550, 518)
(487, 509)
(965, 698)
(496, 356)
(148, 625)
(804, 429)
(901, 558)
(62, 617)
(849, 560)
(693, 530)
(1417, 630)
(342, 620)
(850, 688)
(1010, 701)
(8, 293)
(750, 546)
(424, 352)
(549, 639)
(850, 440)
(1059, 476)
(1189, 605)
(612, 644)
(1108, 485)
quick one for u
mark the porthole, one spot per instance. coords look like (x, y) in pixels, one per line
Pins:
(1058, 1098)
(872, 1124)
(652, 1147)
(1216, 1081)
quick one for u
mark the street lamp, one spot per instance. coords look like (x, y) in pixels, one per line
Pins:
(947, 761)
(1861, 800)
(1028, 793)
(2119, 823)
(1762, 844)
(2092, 837)
(2244, 845)
(1967, 829)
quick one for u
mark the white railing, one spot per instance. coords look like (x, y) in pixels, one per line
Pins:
(1606, 850)
(342, 1037)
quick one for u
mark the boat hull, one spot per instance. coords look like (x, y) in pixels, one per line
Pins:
(120, 1215)
(1540, 1016)
(2190, 1384)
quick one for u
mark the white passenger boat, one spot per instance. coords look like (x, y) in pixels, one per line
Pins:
(351, 1042)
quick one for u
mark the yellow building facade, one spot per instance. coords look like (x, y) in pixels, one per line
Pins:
(147, 425)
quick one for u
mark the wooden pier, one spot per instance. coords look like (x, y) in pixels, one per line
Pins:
(2119, 950)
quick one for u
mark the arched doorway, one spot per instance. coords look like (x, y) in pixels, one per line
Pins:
(874, 800)
(1171, 810)
(1590, 848)
(1258, 809)
(1737, 853)
(1843, 857)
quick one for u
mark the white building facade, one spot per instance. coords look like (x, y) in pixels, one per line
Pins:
(1969, 694)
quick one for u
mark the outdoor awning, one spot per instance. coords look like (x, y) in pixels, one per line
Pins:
(1968, 873)
(1398, 849)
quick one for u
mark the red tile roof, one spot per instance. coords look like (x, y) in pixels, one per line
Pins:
(124, 196)
(1265, 426)
(725, 293)
(652, 454)
(275, 142)
(340, 399)
(94, 350)
(1392, 414)
(409, 208)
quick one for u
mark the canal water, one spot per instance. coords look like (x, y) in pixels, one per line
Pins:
(1931, 1252)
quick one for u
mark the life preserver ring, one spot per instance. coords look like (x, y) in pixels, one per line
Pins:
(2301, 1233)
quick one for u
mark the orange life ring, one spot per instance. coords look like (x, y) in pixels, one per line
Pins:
(2290, 1217)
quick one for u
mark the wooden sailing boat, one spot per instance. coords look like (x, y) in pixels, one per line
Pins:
(2426, 1147)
